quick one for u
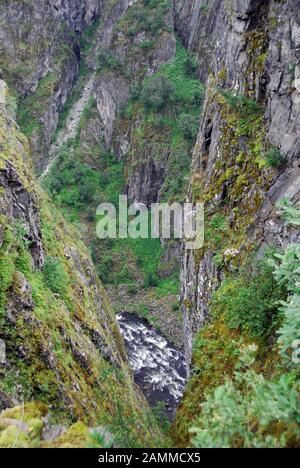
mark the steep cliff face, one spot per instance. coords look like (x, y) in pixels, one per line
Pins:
(250, 113)
(197, 22)
(139, 40)
(60, 343)
(39, 59)
(129, 42)
(111, 93)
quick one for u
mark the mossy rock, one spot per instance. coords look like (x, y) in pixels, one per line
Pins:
(75, 437)
(32, 410)
(11, 437)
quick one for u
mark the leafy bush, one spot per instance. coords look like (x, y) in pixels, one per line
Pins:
(273, 157)
(250, 301)
(189, 126)
(240, 412)
(148, 17)
(243, 106)
(151, 280)
(104, 268)
(135, 92)
(157, 92)
(107, 60)
(249, 410)
(55, 276)
(160, 414)
(287, 273)
(289, 212)
(289, 333)
(132, 289)
(190, 66)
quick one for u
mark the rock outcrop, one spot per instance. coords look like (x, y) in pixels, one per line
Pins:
(255, 45)
(135, 50)
(40, 52)
(59, 340)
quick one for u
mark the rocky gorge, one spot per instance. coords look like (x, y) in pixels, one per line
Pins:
(165, 101)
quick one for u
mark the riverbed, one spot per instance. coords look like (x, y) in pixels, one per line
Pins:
(159, 368)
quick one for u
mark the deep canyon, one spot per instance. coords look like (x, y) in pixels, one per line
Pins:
(144, 342)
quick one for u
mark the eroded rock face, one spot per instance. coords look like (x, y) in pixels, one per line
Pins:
(112, 89)
(253, 44)
(59, 345)
(2, 352)
(39, 56)
(19, 205)
(26, 48)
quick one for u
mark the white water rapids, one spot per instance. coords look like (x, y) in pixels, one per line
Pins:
(159, 368)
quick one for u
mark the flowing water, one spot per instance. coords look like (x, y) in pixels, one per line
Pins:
(159, 368)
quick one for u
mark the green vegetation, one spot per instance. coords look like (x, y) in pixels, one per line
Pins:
(289, 213)
(73, 97)
(249, 301)
(173, 83)
(50, 323)
(147, 16)
(157, 93)
(31, 109)
(55, 276)
(232, 417)
(245, 393)
(168, 104)
(78, 189)
(87, 40)
(246, 108)
(189, 126)
(106, 60)
(273, 157)
(189, 90)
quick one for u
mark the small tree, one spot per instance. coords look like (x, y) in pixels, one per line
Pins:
(189, 126)
(157, 92)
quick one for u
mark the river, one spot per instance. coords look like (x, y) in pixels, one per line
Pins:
(159, 368)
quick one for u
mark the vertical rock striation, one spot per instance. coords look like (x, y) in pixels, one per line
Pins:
(255, 48)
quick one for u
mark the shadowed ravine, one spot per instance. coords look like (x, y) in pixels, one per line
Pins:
(159, 368)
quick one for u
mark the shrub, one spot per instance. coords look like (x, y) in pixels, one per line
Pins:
(132, 289)
(249, 410)
(250, 301)
(189, 126)
(151, 280)
(104, 268)
(107, 60)
(146, 44)
(55, 276)
(232, 417)
(157, 92)
(218, 260)
(190, 66)
(273, 157)
(160, 414)
(135, 92)
(289, 212)
(242, 105)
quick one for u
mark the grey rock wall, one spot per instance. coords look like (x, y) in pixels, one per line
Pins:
(256, 52)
